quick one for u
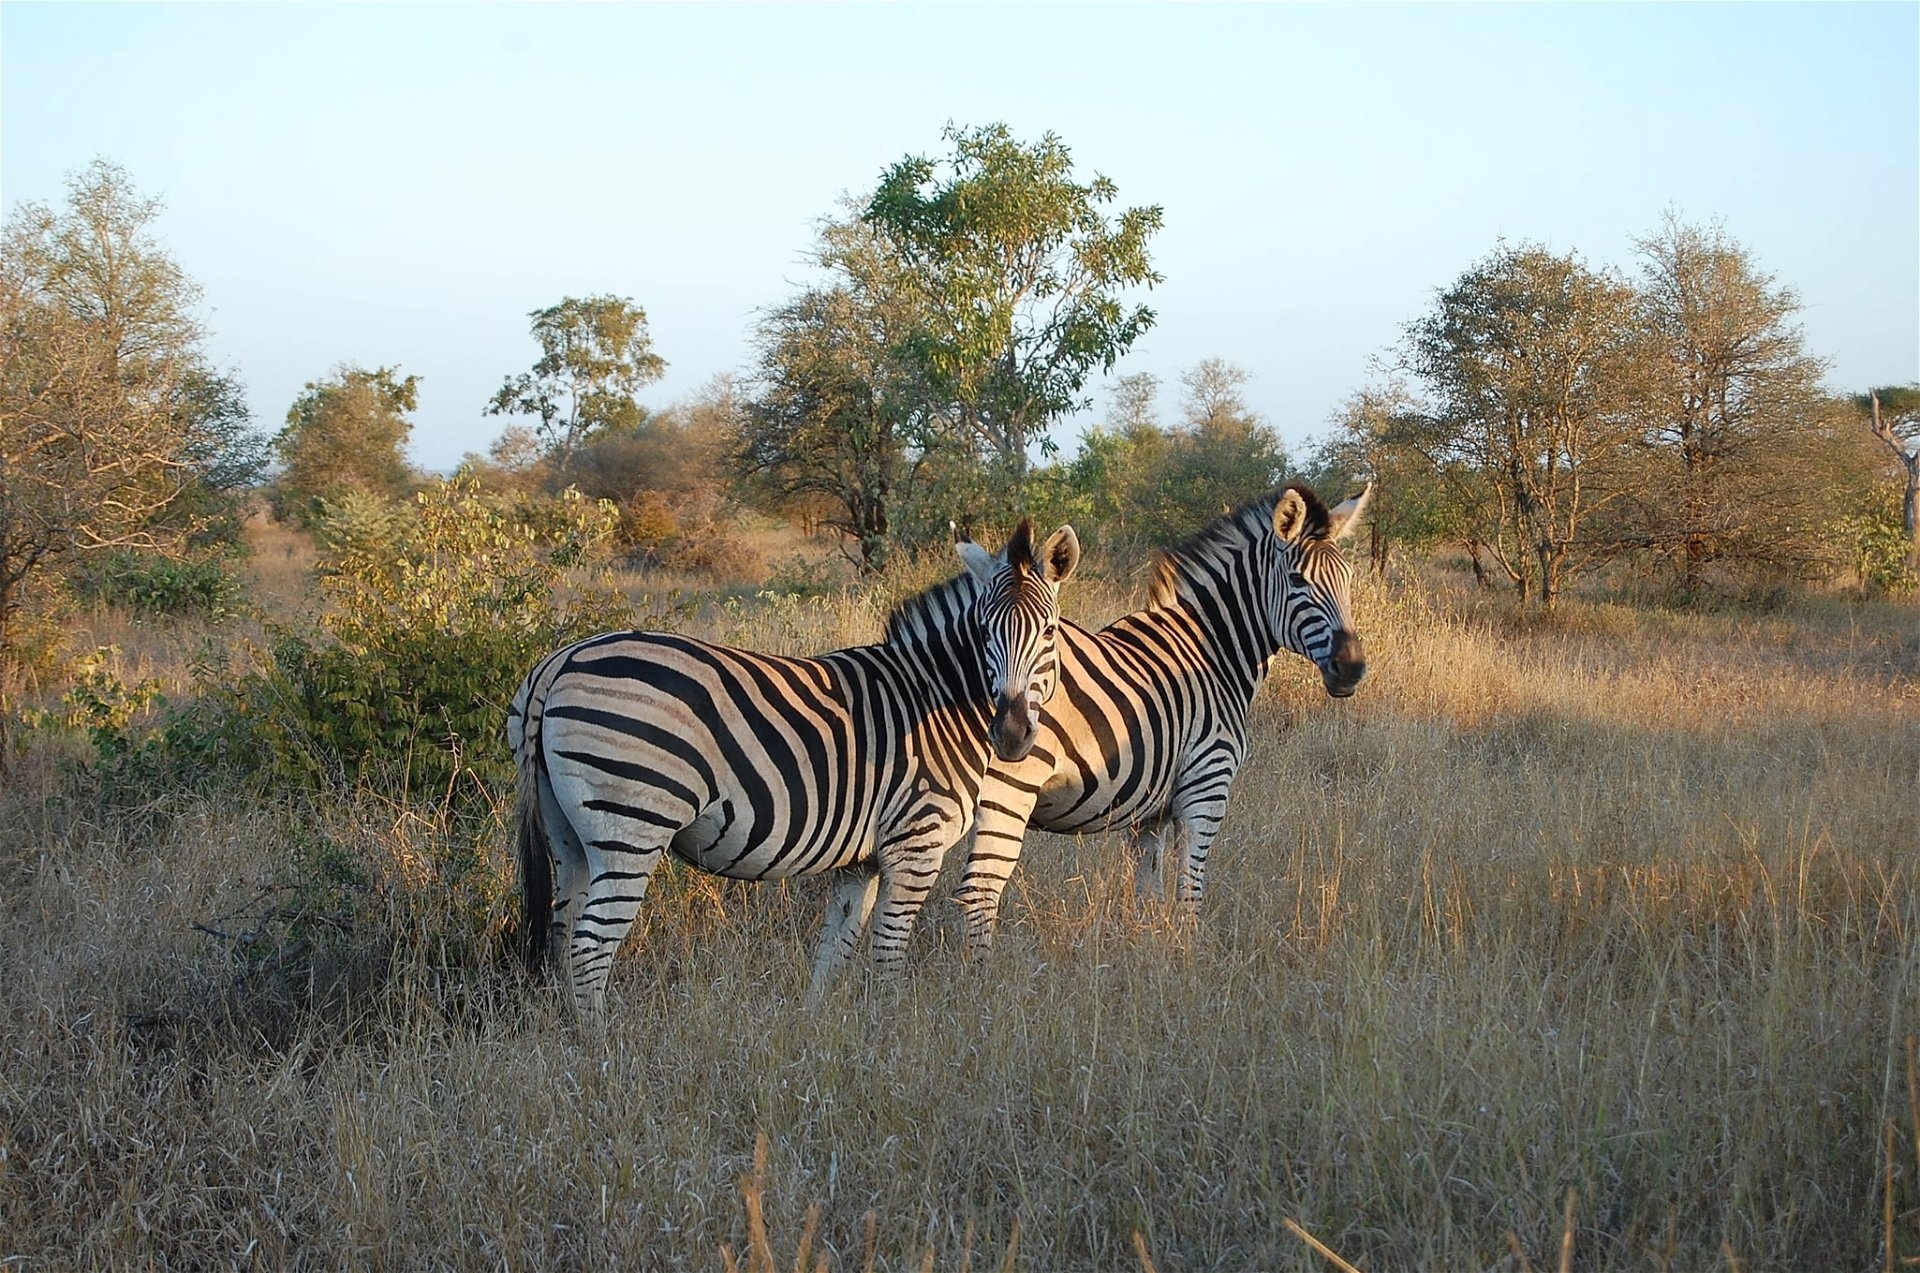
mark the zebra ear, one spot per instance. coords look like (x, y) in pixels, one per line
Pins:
(1347, 513)
(1290, 516)
(1060, 555)
(979, 562)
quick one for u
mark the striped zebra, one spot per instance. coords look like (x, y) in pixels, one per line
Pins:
(1150, 724)
(866, 761)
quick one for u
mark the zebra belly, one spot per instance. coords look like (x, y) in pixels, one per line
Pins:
(1068, 806)
(721, 844)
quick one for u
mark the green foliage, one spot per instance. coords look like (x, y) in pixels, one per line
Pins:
(1133, 484)
(358, 525)
(1016, 274)
(150, 584)
(347, 432)
(827, 429)
(225, 455)
(595, 354)
(1879, 543)
(1381, 435)
(101, 705)
(428, 632)
(114, 432)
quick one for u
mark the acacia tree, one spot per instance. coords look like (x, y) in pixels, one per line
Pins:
(1736, 419)
(1017, 275)
(345, 432)
(833, 409)
(595, 354)
(111, 421)
(1529, 359)
(1220, 455)
(1384, 435)
(1893, 414)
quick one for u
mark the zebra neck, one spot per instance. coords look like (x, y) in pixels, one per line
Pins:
(1220, 601)
(930, 655)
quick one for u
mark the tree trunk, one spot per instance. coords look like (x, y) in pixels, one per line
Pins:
(1910, 498)
(6, 671)
(1550, 560)
(871, 519)
(1479, 566)
(1909, 504)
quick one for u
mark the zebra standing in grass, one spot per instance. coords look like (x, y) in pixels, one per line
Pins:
(1150, 724)
(754, 766)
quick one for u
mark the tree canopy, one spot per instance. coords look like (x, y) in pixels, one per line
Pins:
(1017, 276)
(837, 412)
(1528, 358)
(1733, 413)
(345, 432)
(595, 355)
(114, 429)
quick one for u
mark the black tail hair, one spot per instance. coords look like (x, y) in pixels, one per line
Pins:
(536, 859)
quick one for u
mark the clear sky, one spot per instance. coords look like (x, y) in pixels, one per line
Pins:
(400, 184)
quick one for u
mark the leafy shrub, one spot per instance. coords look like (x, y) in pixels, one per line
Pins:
(694, 534)
(102, 705)
(151, 584)
(359, 525)
(800, 576)
(431, 626)
(1879, 542)
(648, 523)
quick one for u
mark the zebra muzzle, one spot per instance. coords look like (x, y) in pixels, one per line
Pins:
(1015, 726)
(1343, 670)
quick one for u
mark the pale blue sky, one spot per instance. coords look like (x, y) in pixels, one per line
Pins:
(401, 184)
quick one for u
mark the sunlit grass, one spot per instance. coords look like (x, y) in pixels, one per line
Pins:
(1618, 906)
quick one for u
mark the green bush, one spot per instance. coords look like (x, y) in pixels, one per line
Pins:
(150, 584)
(101, 705)
(1879, 543)
(431, 625)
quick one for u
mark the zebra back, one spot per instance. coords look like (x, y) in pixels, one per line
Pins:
(632, 745)
(1149, 728)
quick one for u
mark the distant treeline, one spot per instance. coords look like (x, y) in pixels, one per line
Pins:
(1545, 416)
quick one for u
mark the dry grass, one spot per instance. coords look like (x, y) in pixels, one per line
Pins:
(1591, 941)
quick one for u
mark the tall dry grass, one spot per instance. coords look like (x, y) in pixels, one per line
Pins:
(1599, 931)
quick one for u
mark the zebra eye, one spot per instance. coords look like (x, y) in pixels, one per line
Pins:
(1049, 630)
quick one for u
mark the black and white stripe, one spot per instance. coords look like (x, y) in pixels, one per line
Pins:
(1150, 723)
(756, 766)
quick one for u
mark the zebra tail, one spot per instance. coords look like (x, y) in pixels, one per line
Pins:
(536, 859)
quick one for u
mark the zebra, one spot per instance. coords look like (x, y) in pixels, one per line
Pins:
(864, 761)
(1150, 724)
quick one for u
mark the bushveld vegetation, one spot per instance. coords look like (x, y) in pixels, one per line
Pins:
(1598, 927)
(1584, 936)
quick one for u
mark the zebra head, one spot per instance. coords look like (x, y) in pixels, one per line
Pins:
(1312, 609)
(1018, 609)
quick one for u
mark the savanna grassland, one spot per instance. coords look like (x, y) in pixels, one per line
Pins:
(1590, 938)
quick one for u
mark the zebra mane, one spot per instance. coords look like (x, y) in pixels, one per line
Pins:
(931, 612)
(1248, 524)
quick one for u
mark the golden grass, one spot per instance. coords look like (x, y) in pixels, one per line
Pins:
(1588, 943)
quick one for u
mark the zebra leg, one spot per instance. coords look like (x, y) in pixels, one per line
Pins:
(1198, 806)
(907, 876)
(570, 877)
(993, 850)
(847, 913)
(1159, 846)
(618, 875)
(1198, 825)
